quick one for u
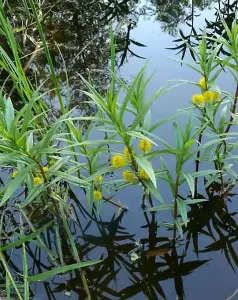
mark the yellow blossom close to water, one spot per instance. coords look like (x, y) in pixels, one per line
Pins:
(208, 96)
(14, 174)
(145, 145)
(98, 179)
(44, 169)
(143, 175)
(118, 161)
(128, 175)
(198, 99)
(97, 195)
(203, 83)
(37, 180)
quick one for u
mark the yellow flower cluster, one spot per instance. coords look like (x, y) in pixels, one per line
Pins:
(14, 174)
(203, 83)
(37, 180)
(206, 97)
(98, 179)
(118, 161)
(128, 175)
(97, 195)
(44, 169)
(143, 175)
(198, 99)
(145, 145)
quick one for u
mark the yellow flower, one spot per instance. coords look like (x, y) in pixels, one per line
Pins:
(142, 174)
(127, 153)
(118, 161)
(198, 99)
(97, 195)
(128, 175)
(216, 96)
(98, 179)
(208, 96)
(37, 180)
(44, 169)
(203, 83)
(14, 174)
(145, 146)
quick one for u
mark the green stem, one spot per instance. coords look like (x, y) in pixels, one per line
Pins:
(175, 205)
(9, 275)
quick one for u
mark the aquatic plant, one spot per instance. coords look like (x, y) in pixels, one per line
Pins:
(47, 156)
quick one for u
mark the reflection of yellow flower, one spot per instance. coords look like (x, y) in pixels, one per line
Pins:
(14, 174)
(128, 175)
(98, 179)
(142, 174)
(203, 83)
(198, 99)
(97, 195)
(37, 180)
(208, 96)
(118, 161)
(216, 96)
(145, 146)
(127, 153)
(44, 169)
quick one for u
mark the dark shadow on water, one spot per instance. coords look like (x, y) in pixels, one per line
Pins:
(131, 269)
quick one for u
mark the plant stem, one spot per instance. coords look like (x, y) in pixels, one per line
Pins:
(175, 205)
(134, 166)
(114, 203)
(233, 110)
(197, 163)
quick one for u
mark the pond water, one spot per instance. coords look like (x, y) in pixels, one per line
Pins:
(204, 263)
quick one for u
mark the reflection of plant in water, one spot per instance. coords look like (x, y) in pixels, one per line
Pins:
(213, 220)
(214, 28)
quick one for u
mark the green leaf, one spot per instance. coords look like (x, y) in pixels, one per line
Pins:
(153, 190)
(190, 181)
(26, 238)
(146, 165)
(194, 201)
(14, 184)
(9, 113)
(140, 136)
(162, 207)
(44, 275)
(30, 141)
(183, 210)
(189, 144)
(179, 227)
(178, 136)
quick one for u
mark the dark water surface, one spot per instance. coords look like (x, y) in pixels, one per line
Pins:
(204, 264)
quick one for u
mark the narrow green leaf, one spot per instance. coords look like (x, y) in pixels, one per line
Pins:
(182, 210)
(44, 275)
(9, 113)
(146, 165)
(26, 238)
(162, 207)
(14, 184)
(190, 181)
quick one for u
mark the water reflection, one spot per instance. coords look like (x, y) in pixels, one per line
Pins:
(214, 28)
(212, 228)
(77, 33)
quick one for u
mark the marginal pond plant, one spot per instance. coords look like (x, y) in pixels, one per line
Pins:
(48, 158)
